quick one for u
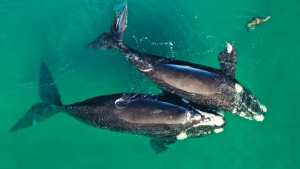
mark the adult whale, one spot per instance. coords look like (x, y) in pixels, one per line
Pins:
(152, 116)
(209, 87)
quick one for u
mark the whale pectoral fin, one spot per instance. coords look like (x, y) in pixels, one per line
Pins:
(228, 60)
(161, 145)
(158, 146)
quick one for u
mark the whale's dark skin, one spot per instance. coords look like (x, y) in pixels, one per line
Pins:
(156, 117)
(202, 85)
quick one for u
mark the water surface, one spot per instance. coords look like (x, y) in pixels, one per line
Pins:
(58, 32)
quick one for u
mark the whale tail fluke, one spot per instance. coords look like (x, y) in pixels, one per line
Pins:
(114, 38)
(49, 105)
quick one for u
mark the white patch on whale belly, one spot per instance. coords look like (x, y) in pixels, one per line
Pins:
(238, 88)
(182, 136)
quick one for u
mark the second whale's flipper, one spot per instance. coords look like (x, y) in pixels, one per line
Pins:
(114, 38)
(228, 60)
(161, 145)
(49, 105)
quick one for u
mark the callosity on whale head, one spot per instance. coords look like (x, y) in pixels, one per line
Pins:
(203, 124)
(247, 105)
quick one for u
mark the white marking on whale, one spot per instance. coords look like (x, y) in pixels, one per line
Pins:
(263, 108)
(147, 70)
(210, 120)
(182, 136)
(220, 130)
(238, 88)
(185, 101)
(259, 117)
(229, 47)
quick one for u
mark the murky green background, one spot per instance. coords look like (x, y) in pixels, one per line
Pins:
(58, 31)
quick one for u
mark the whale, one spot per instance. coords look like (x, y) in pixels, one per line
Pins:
(162, 119)
(214, 88)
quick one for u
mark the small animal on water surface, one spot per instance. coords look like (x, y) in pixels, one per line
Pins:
(255, 21)
(209, 87)
(164, 120)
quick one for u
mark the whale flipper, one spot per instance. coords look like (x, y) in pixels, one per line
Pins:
(161, 145)
(228, 60)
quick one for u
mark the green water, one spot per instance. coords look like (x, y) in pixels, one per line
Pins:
(58, 32)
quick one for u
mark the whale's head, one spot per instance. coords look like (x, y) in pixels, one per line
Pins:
(248, 106)
(203, 124)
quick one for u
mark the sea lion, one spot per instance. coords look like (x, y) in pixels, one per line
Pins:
(255, 21)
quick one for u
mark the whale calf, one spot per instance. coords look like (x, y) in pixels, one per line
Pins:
(202, 85)
(153, 116)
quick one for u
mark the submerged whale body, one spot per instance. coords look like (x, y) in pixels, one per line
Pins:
(165, 120)
(202, 85)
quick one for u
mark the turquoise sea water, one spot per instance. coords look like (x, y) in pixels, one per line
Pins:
(58, 32)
